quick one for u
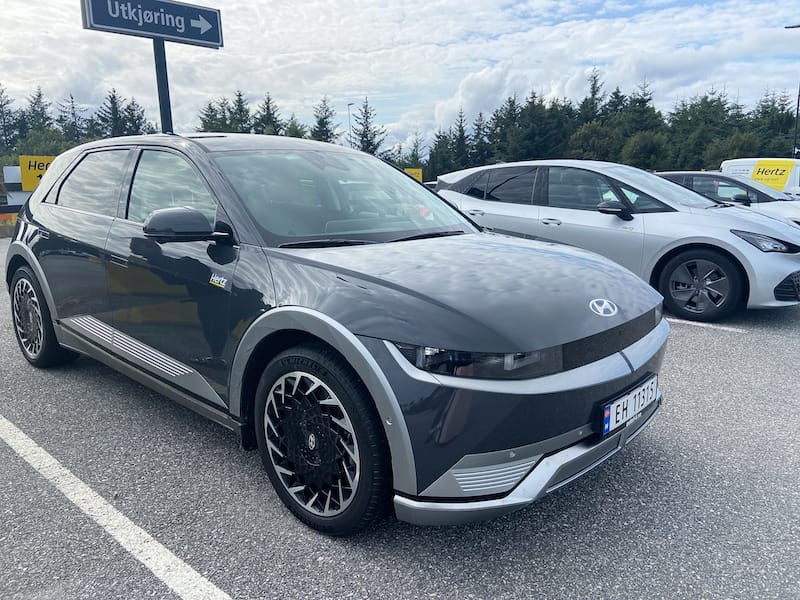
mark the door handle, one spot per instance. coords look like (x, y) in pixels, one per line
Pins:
(551, 222)
(475, 212)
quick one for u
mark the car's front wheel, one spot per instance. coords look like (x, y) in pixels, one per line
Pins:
(701, 285)
(33, 326)
(320, 440)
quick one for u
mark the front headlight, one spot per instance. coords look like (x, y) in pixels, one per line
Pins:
(484, 365)
(766, 243)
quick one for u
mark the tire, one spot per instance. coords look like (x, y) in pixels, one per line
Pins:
(701, 285)
(33, 326)
(321, 441)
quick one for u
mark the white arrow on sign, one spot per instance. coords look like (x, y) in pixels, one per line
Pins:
(201, 24)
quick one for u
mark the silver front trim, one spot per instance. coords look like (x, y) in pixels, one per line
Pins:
(546, 477)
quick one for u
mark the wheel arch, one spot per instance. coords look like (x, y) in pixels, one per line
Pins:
(655, 274)
(19, 255)
(284, 327)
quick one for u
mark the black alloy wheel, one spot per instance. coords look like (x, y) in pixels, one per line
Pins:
(320, 440)
(701, 285)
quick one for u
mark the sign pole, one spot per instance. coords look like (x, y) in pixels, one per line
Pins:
(160, 56)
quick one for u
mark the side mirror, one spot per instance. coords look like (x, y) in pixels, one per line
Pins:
(179, 224)
(615, 207)
(740, 199)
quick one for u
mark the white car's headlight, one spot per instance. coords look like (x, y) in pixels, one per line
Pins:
(766, 243)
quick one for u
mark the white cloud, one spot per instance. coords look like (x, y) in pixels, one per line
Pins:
(418, 62)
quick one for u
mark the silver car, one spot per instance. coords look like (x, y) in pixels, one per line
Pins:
(706, 258)
(739, 189)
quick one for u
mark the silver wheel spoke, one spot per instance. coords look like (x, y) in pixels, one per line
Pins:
(312, 443)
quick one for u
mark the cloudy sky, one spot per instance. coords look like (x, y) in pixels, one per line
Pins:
(417, 61)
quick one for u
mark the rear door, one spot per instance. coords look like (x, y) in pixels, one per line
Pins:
(502, 199)
(74, 220)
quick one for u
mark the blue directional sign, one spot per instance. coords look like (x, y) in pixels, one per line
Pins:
(163, 19)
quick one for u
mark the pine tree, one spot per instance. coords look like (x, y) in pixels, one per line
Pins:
(480, 149)
(8, 129)
(589, 109)
(239, 120)
(266, 119)
(110, 117)
(294, 128)
(440, 157)
(460, 142)
(324, 128)
(368, 136)
(135, 122)
(71, 120)
(37, 115)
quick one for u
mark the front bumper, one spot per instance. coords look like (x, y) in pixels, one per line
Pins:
(549, 474)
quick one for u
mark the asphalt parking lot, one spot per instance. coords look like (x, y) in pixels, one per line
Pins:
(705, 504)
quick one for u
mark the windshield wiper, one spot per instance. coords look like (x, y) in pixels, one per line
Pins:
(430, 234)
(325, 242)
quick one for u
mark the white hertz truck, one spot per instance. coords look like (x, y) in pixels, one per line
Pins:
(783, 174)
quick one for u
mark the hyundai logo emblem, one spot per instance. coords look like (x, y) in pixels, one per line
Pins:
(603, 307)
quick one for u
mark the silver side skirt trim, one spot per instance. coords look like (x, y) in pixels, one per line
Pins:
(141, 355)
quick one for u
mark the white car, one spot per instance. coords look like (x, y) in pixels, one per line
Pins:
(740, 189)
(706, 258)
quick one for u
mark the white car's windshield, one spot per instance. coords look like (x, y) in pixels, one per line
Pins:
(660, 188)
(309, 197)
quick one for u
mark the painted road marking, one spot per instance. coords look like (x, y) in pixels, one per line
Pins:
(176, 574)
(707, 325)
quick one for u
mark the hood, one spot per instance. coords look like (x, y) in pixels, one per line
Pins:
(474, 292)
(753, 220)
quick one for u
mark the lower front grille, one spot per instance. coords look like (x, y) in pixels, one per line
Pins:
(788, 290)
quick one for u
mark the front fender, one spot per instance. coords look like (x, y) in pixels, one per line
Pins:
(293, 318)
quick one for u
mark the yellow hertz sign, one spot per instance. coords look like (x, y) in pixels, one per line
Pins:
(773, 172)
(415, 173)
(31, 170)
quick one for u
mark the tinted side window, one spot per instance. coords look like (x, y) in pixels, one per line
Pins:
(94, 184)
(477, 187)
(511, 184)
(642, 203)
(164, 180)
(722, 189)
(578, 189)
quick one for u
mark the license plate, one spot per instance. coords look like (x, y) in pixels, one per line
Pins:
(629, 407)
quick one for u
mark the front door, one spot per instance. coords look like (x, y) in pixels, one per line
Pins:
(171, 300)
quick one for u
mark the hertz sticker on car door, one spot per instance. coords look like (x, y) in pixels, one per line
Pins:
(773, 172)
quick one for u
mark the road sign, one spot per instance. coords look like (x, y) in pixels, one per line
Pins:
(158, 19)
(415, 173)
(31, 170)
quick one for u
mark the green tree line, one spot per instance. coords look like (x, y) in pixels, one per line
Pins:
(40, 128)
(697, 133)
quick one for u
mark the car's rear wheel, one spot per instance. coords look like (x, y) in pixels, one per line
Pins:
(33, 326)
(320, 440)
(701, 285)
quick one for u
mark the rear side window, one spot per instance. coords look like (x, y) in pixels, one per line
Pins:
(164, 180)
(513, 185)
(93, 186)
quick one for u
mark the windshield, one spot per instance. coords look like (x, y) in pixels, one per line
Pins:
(761, 187)
(317, 198)
(659, 188)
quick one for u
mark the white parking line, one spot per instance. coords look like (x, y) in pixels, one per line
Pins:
(176, 574)
(707, 325)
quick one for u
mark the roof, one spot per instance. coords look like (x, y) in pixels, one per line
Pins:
(222, 142)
